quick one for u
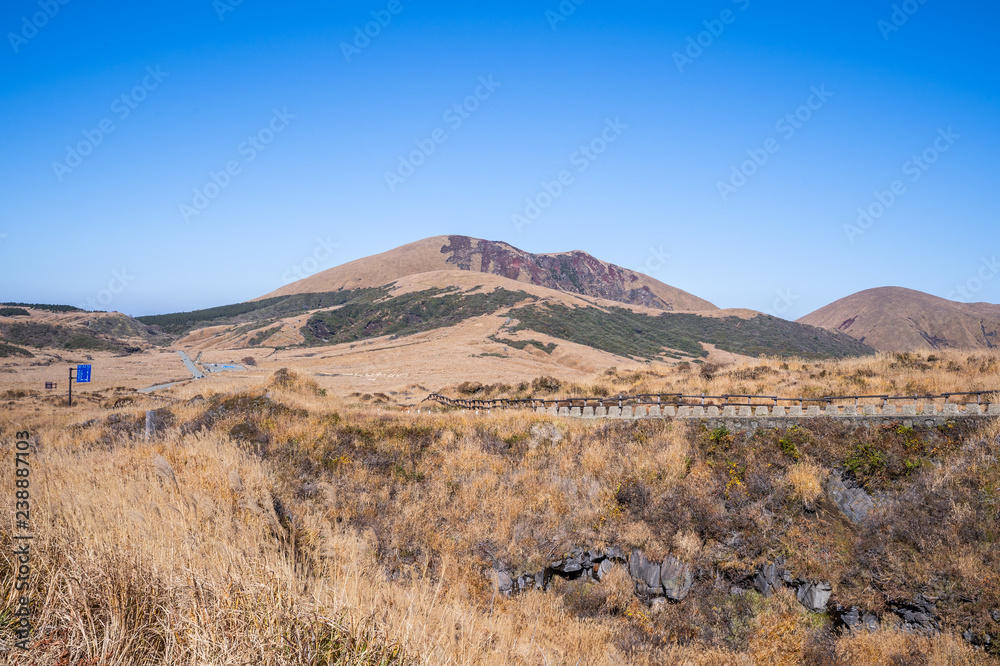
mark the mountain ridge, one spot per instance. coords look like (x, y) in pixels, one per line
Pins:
(901, 319)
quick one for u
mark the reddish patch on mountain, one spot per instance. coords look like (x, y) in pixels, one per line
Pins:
(575, 272)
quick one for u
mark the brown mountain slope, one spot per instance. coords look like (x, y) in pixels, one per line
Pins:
(898, 319)
(572, 272)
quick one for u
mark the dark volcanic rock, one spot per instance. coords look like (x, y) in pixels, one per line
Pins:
(917, 615)
(814, 596)
(853, 618)
(769, 579)
(676, 578)
(646, 574)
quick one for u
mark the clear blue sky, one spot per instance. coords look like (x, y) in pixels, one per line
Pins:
(184, 85)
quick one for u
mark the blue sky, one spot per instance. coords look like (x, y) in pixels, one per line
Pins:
(722, 147)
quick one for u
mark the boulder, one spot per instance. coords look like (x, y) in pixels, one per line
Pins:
(603, 569)
(567, 566)
(814, 596)
(615, 553)
(675, 578)
(917, 615)
(769, 579)
(505, 582)
(977, 638)
(854, 619)
(646, 575)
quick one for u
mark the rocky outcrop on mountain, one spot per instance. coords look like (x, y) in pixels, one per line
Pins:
(574, 272)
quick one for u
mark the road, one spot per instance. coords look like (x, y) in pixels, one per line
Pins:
(220, 367)
(161, 386)
(198, 374)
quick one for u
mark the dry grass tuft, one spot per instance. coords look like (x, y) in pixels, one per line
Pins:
(806, 480)
(891, 646)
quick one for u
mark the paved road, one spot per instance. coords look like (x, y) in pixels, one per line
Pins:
(198, 374)
(220, 367)
(150, 389)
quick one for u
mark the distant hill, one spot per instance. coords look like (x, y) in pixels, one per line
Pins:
(570, 272)
(898, 319)
(68, 328)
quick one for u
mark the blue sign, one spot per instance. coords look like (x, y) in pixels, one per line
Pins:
(83, 374)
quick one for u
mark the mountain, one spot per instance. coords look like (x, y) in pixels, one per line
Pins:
(898, 319)
(571, 272)
(444, 301)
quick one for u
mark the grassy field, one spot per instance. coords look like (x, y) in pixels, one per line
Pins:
(896, 374)
(270, 523)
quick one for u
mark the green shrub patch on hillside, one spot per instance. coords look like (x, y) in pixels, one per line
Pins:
(10, 350)
(406, 314)
(254, 311)
(522, 344)
(626, 333)
(33, 334)
(43, 306)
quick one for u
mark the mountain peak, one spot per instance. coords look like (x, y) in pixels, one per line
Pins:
(573, 272)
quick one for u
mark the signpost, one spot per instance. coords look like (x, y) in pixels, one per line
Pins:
(82, 377)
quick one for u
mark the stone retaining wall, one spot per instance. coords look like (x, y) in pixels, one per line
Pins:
(743, 418)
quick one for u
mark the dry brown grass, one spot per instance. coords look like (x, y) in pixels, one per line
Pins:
(892, 646)
(807, 480)
(324, 528)
(899, 374)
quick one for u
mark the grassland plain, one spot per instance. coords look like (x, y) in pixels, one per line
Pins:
(269, 523)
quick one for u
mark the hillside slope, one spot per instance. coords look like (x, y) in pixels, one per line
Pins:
(571, 272)
(65, 328)
(898, 319)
